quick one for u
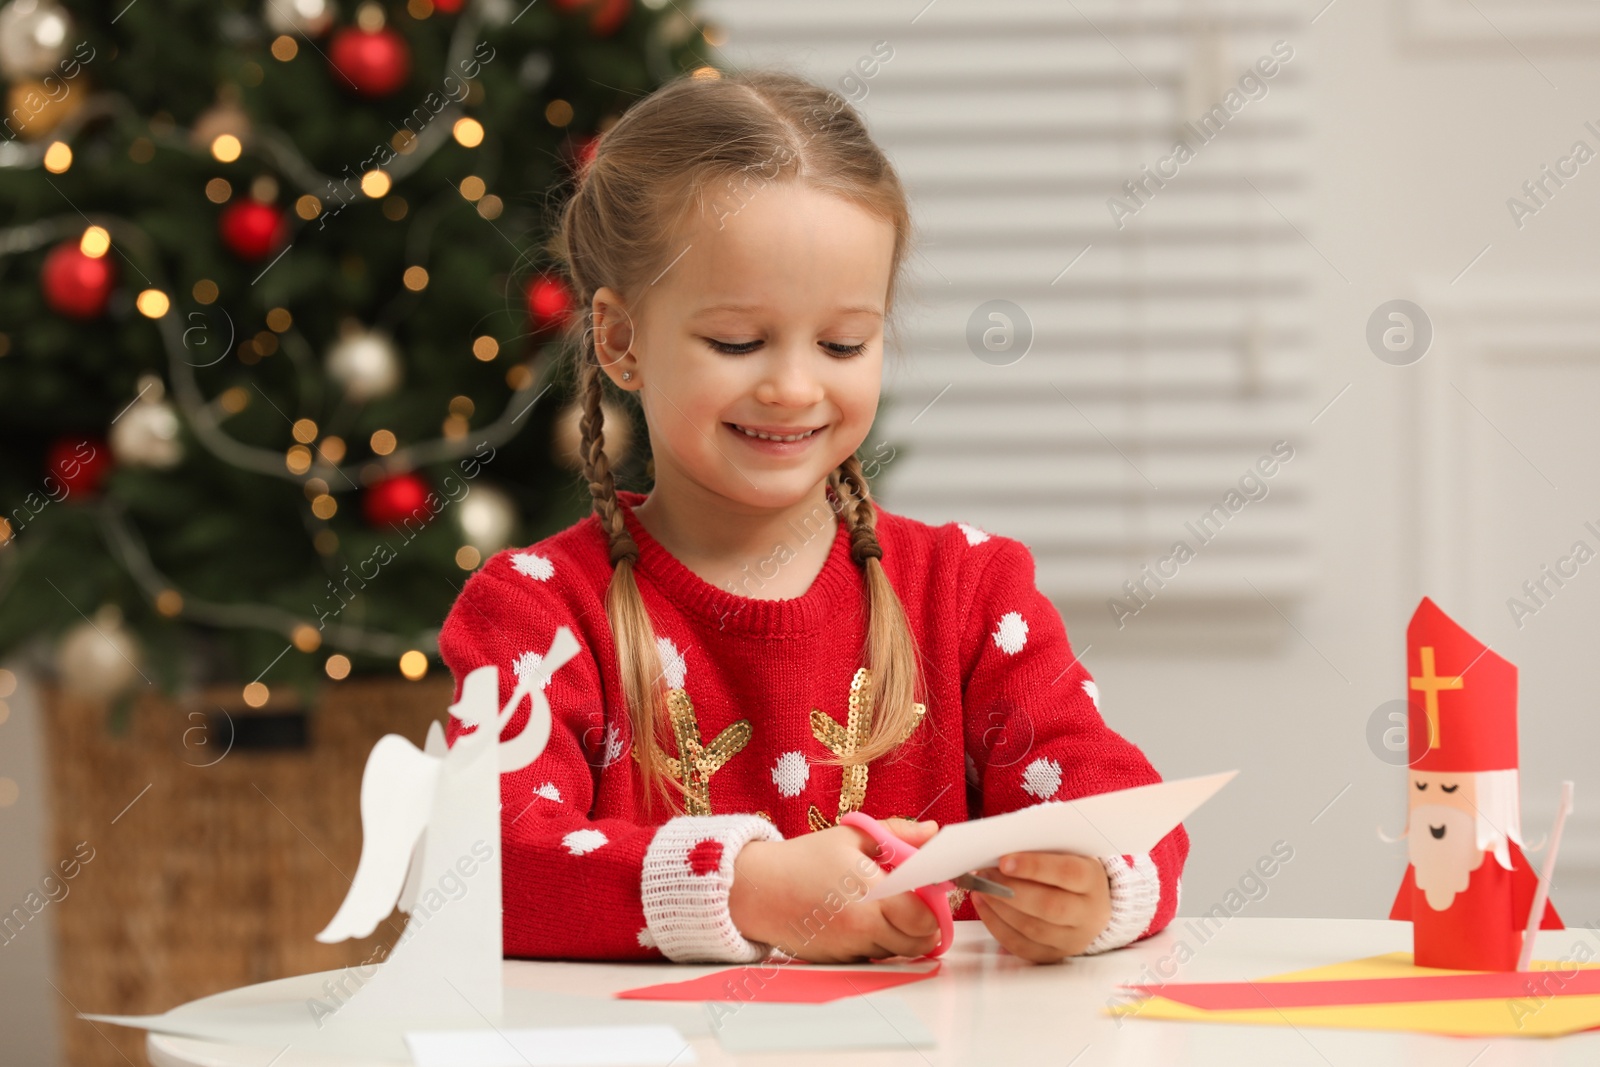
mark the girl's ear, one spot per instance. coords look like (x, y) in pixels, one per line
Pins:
(613, 337)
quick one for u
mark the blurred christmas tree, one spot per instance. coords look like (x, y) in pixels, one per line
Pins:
(275, 332)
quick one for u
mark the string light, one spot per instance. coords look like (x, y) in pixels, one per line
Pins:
(485, 348)
(337, 667)
(58, 157)
(468, 132)
(226, 148)
(256, 694)
(415, 279)
(414, 665)
(375, 183)
(152, 303)
(95, 242)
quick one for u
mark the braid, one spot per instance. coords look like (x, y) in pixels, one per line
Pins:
(596, 467)
(849, 484)
(890, 651)
(638, 661)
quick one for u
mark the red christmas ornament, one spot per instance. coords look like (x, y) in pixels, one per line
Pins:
(252, 230)
(550, 302)
(605, 16)
(609, 16)
(396, 499)
(79, 463)
(449, 7)
(75, 284)
(375, 62)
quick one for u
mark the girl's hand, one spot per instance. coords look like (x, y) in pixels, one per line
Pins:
(1063, 902)
(803, 894)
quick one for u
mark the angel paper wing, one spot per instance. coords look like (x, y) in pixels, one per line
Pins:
(397, 790)
(434, 745)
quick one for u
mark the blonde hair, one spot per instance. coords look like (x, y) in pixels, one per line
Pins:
(657, 164)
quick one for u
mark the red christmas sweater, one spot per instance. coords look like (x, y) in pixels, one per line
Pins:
(1012, 719)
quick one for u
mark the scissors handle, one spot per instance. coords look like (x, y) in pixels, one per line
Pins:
(892, 852)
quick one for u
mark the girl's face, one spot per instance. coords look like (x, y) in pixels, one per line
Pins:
(772, 322)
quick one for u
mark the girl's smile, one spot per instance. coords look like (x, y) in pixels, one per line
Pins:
(777, 440)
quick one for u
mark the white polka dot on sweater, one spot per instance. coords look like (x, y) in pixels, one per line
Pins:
(581, 841)
(791, 773)
(672, 662)
(1011, 633)
(530, 666)
(1093, 691)
(533, 565)
(549, 792)
(646, 938)
(1042, 778)
(975, 536)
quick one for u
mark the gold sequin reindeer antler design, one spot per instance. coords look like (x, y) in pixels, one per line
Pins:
(843, 740)
(696, 763)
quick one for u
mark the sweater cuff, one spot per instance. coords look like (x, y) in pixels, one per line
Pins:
(688, 870)
(1135, 894)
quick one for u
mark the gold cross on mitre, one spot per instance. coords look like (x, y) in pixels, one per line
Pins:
(696, 763)
(843, 740)
(1430, 684)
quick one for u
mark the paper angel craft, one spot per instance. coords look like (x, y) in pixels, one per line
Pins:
(430, 822)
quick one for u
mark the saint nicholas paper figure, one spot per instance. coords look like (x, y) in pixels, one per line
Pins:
(1468, 889)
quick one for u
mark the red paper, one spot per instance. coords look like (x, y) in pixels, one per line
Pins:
(779, 983)
(1491, 985)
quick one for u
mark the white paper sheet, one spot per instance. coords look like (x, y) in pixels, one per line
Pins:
(1108, 824)
(577, 1046)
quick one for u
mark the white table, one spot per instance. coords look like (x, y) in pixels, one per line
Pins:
(989, 1007)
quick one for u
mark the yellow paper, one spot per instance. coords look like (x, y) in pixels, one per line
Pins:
(1520, 1017)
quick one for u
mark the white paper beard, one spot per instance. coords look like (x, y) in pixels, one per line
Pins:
(1444, 852)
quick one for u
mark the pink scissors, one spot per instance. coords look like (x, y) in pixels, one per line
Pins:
(892, 851)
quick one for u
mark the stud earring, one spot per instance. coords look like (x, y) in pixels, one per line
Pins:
(627, 375)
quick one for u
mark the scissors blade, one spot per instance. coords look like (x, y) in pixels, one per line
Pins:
(983, 885)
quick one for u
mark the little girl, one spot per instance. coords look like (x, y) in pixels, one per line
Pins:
(762, 648)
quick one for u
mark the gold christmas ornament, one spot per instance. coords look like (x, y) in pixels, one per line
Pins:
(35, 110)
(223, 119)
(33, 37)
(98, 659)
(308, 18)
(146, 434)
(365, 362)
(488, 518)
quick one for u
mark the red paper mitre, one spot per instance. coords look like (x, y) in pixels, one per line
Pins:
(1475, 698)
